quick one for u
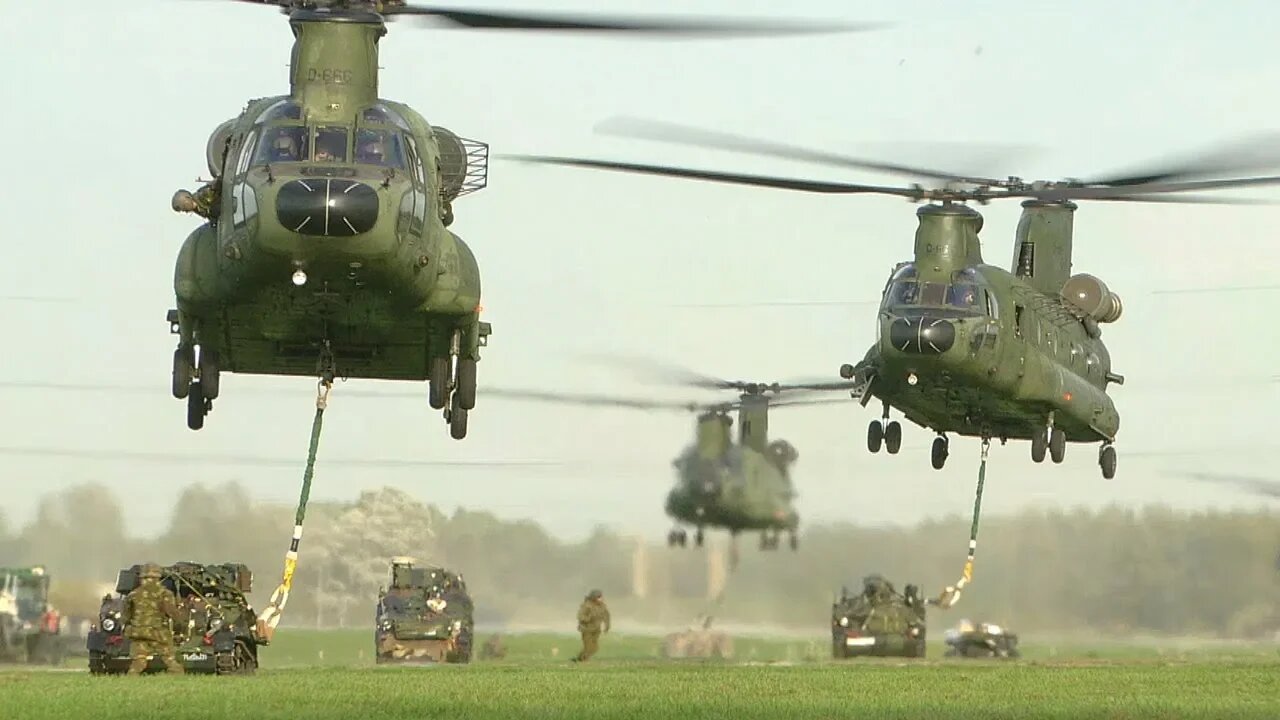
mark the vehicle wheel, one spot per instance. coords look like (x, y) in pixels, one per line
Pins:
(210, 373)
(457, 420)
(1108, 462)
(438, 389)
(893, 437)
(875, 434)
(939, 453)
(467, 382)
(1039, 444)
(795, 542)
(182, 372)
(1057, 445)
(195, 406)
(698, 537)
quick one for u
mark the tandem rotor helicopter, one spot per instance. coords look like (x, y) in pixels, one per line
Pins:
(742, 485)
(965, 347)
(326, 249)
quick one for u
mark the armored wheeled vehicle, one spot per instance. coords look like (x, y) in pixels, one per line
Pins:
(30, 630)
(878, 622)
(698, 641)
(217, 632)
(425, 615)
(981, 640)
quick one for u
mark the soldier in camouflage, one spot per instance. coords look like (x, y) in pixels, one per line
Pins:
(147, 612)
(205, 202)
(593, 618)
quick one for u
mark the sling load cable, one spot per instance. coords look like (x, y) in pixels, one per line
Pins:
(275, 608)
(951, 594)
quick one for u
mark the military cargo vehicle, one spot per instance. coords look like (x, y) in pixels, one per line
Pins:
(29, 630)
(426, 615)
(981, 640)
(699, 641)
(218, 631)
(878, 621)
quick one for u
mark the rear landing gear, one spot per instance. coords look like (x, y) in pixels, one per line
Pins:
(452, 384)
(199, 387)
(678, 536)
(198, 406)
(1049, 439)
(1107, 460)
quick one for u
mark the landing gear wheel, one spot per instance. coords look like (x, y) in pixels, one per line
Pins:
(1039, 444)
(457, 420)
(698, 538)
(794, 541)
(196, 408)
(438, 383)
(938, 454)
(875, 434)
(1107, 460)
(1057, 445)
(210, 371)
(466, 383)
(893, 437)
(182, 372)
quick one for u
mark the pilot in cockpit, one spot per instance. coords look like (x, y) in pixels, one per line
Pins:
(285, 149)
(371, 151)
(330, 147)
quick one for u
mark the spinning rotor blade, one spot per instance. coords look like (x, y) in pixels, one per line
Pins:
(510, 20)
(1255, 153)
(592, 400)
(686, 135)
(1255, 485)
(1139, 192)
(667, 372)
(225, 459)
(817, 186)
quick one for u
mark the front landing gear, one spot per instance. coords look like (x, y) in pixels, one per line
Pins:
(887, 431)
(940, 451)
(199, 387)
(1107, 460)
(453, 379)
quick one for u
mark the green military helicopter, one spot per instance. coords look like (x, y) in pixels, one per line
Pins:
(965, 347)
(736, 486)
(326, 249)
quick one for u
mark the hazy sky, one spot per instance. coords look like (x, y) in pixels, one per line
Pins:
(104, 124)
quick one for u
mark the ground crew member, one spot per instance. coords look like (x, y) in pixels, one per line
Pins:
(147, 612)
(593, 618)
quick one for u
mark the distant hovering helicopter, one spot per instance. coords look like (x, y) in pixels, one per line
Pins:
(349, 196)
(735, 486)
(966, 347)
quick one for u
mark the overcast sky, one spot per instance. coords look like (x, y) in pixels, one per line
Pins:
(109, 107)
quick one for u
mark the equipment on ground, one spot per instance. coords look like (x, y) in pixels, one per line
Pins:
(30, 627)
(742, 485)
(969, 348)
(219, 634)
(327, 249)
(981, 640)
(698, 641)
(879, 621)
(424, 615)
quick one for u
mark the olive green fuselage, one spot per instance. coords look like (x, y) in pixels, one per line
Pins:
(974, 349)
(740, 490)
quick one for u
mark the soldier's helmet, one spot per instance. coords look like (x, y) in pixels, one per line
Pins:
(285, 146)
(595, 595)
(372, 150)
(151, 570)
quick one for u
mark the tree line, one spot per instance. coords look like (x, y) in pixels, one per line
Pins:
(1153, 570)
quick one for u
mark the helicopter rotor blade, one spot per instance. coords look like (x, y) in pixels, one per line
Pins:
(592, 399)
(1258, 152)
(656, 25)
(248, 460)
(1255, 485)
(1138, 191)
(660, 131)
(816, 186)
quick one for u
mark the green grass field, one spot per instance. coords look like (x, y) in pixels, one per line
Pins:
(311, 675)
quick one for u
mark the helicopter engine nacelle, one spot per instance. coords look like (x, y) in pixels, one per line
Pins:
(463, 163)
(782, 452)
(1091, 295)
(215, 151)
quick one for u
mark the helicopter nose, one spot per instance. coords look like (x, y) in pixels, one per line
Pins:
(922, 335)
(330, 207)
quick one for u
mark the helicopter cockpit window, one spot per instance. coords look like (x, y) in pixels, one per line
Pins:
(379, 147)
(283, 110)
(283, 144)
(331, 144)
(933, 293)
(903, 292)
(963, 295)
(382, 114)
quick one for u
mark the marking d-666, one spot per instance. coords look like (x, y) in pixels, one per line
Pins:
(329, 75)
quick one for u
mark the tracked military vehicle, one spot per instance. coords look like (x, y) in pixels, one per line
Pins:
(981, 640)
(425, 615)
(216, 635)
(28, 632)
(878, 622)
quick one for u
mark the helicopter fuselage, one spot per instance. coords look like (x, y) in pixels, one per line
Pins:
(741, 489)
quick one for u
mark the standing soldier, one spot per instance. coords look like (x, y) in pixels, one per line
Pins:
(591, 616)
(147, 612)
